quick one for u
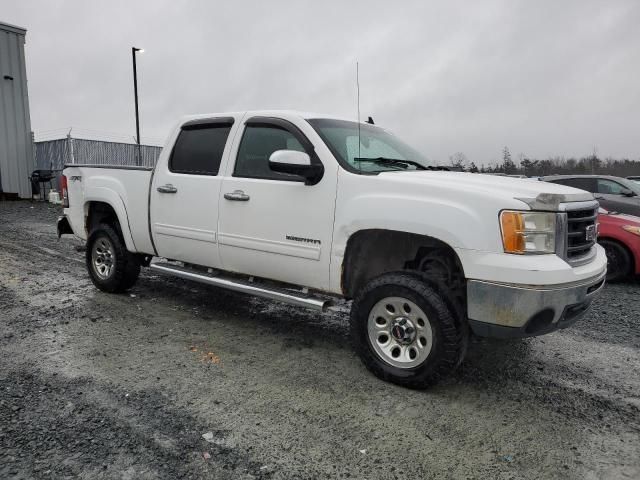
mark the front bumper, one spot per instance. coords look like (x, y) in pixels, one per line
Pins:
(507, 310)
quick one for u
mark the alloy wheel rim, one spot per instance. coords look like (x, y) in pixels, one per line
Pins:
(400, 332)
(102, 258)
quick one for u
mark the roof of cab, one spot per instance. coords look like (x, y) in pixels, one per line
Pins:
(265, 113)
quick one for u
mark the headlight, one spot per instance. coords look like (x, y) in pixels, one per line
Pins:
(632, 229)
(528, 232)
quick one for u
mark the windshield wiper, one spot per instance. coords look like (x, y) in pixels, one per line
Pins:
(392, 162)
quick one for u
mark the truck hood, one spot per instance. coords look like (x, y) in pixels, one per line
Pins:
(537, 194)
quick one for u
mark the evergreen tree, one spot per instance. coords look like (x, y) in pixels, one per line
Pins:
(507, 166)
(528, 166)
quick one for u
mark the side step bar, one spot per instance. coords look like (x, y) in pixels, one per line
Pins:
(229, 283)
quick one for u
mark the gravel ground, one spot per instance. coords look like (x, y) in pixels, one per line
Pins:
(101, 386)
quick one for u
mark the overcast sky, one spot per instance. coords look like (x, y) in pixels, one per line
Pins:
(544, 78)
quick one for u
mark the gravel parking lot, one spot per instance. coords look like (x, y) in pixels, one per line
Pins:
(125, 386)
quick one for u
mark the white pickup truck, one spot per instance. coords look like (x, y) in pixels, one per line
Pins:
(309, 209)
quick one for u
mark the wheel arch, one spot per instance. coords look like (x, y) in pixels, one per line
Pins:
(110, 210)
(635, 260)
(372, 252)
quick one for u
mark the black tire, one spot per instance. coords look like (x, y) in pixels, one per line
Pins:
(618, 260)
(448, 337)
(125, 266)
(443, 272)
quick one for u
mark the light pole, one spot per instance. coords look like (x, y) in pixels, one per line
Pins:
(134, 50)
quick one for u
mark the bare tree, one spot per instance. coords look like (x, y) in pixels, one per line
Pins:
(459, 161)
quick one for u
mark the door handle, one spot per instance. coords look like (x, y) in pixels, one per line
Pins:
(168, 188)
(237, 195)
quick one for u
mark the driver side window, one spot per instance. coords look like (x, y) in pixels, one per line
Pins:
(609, 187)
(257, 145)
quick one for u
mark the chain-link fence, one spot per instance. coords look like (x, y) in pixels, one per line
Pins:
(54, 154)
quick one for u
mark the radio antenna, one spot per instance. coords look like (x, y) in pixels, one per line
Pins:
(358, 101)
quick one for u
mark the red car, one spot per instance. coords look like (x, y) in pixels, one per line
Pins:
(620, 236)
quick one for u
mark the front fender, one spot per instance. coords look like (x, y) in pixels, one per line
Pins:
(449, 222)
(454, 223)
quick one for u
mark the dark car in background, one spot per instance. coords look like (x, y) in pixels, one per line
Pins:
(616, 194)
(635, 179)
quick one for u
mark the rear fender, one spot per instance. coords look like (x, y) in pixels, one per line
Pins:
(110, 197)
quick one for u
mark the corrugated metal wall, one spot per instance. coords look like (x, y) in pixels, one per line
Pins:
(54, 154)
(16, 146)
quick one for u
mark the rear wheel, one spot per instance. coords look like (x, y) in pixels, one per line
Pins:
(111, 266)
(618, 261)
(405, 332)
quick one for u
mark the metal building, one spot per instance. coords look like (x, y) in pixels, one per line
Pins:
(16, 145)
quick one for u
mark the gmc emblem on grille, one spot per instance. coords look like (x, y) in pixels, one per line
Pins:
(590, 233)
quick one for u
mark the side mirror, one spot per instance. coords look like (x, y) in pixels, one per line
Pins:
(627, 193)
(297, 163)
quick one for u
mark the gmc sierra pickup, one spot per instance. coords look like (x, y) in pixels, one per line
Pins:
(309, 209)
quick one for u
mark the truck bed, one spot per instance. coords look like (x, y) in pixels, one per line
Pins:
(126, 188)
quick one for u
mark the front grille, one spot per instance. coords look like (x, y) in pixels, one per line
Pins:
(581, 233)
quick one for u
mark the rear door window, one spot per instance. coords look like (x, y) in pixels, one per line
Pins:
(199, 148)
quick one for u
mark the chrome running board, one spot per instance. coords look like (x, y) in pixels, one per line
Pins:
(283, 295)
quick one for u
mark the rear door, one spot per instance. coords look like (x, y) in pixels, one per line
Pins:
(185, 190)
(271, 224)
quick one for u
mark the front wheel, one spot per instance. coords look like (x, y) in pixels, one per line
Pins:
(618, 261)
(405, 332)
(111, 267)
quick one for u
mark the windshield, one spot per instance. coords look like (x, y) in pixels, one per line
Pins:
(631, 185)
(377, 151)
(634, 183)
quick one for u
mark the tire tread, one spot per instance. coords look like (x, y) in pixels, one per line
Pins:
(450, 345)
(613, 277)
(127, 268)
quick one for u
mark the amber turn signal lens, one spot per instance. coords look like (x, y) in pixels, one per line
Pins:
(513, 237)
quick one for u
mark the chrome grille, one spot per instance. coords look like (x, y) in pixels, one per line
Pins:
(581, 234)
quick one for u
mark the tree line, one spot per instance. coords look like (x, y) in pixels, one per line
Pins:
(532, 167)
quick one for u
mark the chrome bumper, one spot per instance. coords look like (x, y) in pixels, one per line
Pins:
(505, 310)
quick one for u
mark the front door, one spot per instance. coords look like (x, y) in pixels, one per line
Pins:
(184, 193)
(271, 224)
